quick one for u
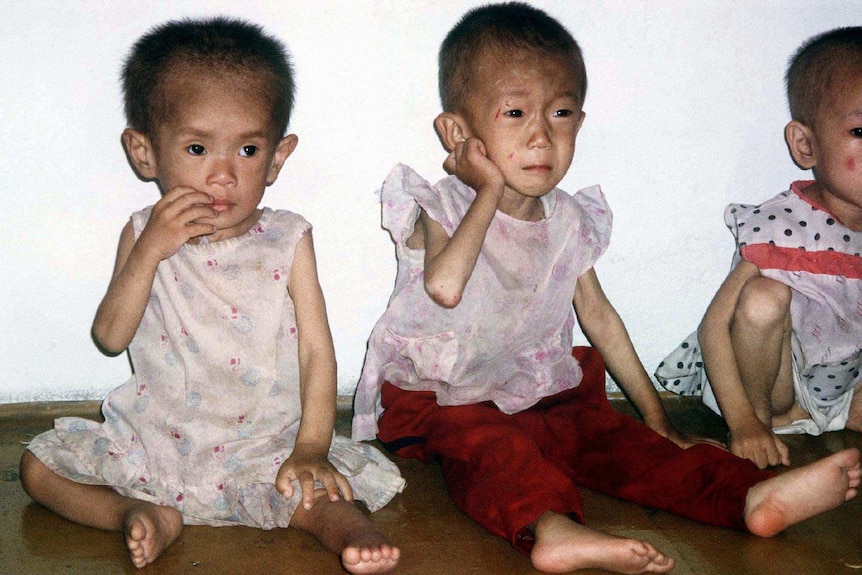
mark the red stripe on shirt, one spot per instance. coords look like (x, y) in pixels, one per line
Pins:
(768, 256)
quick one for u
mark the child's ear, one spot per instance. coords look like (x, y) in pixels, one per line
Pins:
(283, 149)
(800, 142)
(451, 129)
(141, 154)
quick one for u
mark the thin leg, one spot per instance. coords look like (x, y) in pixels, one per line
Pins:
(149, 529)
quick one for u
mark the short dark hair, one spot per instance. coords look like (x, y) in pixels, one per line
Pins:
(509, 25)
(221, 44)
(819, 63)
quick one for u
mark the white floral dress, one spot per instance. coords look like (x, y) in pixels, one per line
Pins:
(213, 407)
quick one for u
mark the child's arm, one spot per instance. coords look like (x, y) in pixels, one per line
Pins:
(317, 372)
(605, 329)
(750, 438)
(449, 262)
(173, 221)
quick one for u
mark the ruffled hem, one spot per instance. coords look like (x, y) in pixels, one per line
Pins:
(250, 499)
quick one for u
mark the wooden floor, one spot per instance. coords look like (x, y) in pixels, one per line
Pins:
(435, 538)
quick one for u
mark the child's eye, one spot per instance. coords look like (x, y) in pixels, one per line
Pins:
(248, 151)
(563, 113)
(196, 150)
(857, 132)
(515, 114)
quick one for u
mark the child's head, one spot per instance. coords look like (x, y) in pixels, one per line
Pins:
(214, 47)
(514, 78)
(820, 69)
(824, 89)
(501, 30)
(208, 103)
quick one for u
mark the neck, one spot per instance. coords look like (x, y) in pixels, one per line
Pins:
(522, 207)
(850, 215)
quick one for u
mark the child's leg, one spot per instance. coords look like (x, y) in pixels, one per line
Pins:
(617, 455)
(761, 343)
(777, 503)
(149, 529)
(624, 458)
(493, 470)
(497, 475)
(854, 418)
(342, 528)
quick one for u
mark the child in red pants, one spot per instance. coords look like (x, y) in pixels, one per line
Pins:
(493, 264)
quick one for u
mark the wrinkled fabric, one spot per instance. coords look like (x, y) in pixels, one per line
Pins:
(213, 407)
(800, 244)
(509, 340)
(505, 471)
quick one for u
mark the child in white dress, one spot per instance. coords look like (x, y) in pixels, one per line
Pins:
(228, 418)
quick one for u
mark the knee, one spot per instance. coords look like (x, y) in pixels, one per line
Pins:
(764, 304)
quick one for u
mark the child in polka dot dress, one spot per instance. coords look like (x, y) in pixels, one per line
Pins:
(228, 417)
(781, 341)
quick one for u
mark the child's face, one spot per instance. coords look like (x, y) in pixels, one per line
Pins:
(837, 147)
(217, 138)
(524, 108)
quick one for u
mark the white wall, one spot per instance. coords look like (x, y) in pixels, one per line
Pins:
(685, 113)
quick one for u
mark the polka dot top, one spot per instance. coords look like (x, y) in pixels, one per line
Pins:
(796, 241)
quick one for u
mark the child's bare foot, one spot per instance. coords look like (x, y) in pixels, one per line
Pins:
(342, 528)
(149, 530)
(777, 503)
(563, 545)
(370, 553)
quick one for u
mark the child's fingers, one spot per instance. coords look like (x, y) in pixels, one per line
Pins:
(344, 487)
(450, 164)
(284, 486)
(186, 195)
(330, 484)
(783, 451)
(306, 486)
(474, 147)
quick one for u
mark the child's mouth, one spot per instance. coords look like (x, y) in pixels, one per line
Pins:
(221, 205)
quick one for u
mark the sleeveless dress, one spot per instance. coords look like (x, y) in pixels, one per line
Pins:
(212, 409)
(509, 340)
(797, 242)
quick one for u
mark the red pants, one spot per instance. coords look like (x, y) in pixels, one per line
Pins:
(504, 471)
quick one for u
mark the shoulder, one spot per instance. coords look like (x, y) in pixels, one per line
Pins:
(789, 219)
(588, 206)
(277, 225)
(404, 192)
(770, 210)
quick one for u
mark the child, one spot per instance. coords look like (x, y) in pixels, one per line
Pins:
(782, 339)
(228, 418)
(472, 361)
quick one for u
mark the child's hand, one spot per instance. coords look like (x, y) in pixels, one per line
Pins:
(180, 215)
(470, 163)
(306, 468)
(757, 443)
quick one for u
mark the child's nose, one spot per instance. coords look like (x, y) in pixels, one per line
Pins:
(222, 172)
(539, 134)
